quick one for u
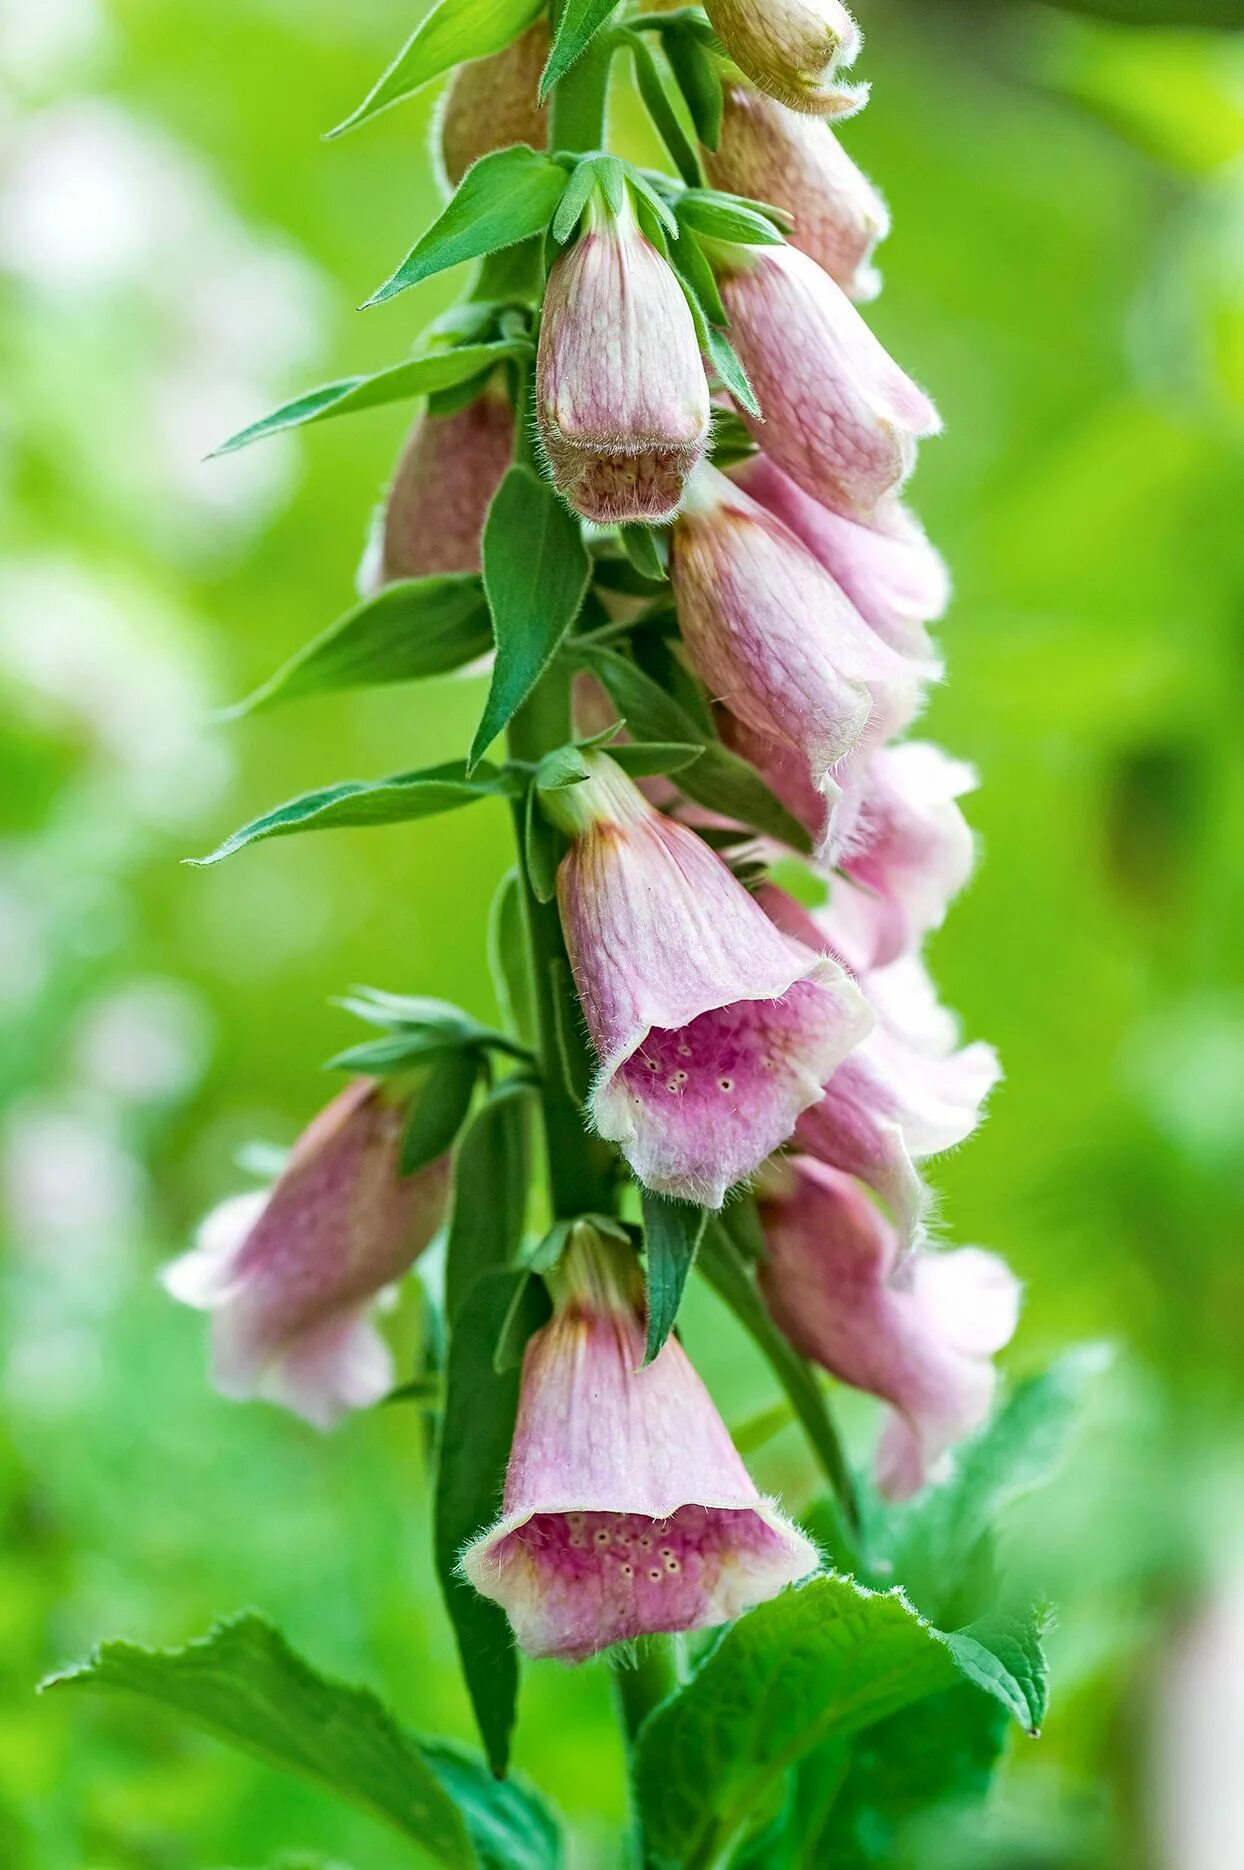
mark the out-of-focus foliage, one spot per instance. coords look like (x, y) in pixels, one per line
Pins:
(179, 251)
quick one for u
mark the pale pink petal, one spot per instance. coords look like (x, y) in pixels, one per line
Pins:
(627, 1509)
(203, 1276)
(837, 413)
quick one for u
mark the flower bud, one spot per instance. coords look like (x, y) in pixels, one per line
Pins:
(621, 396)
(777, 642)
(290, 1275)
(838, 414)
(769, 154)
(790, 48)
(918, 1332)
(897, 581)
(713, 1030)
(494, 102)
(433, 515)
(890, 1104)
(627, 1510)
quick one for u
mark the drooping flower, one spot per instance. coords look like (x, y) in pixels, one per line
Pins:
(290, 1274)
(433, 514)
(919, 1332)
(627, 1510)
(895, 578)
(790, 48)
(777, 642)
(770, 154)
(494, 102)
(712, 1030)
(837, 413)
(912, 852)
(893, 1102)
(621, 396)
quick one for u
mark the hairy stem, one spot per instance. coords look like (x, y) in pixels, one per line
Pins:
(642, 1679)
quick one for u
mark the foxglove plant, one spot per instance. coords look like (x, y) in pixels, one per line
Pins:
(656, 483)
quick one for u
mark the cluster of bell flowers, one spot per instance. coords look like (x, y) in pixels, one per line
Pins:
(739, 1038)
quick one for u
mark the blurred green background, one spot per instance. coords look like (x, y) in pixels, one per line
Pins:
(178, 250)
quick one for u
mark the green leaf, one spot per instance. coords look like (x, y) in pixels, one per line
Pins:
(645, 759)
(507, 957)
(648, 551)
(727, 217)
(673, 1231)
(570, 208)
(543, 845)
(698, 76)
(491, 1172)
(718, 779)
(536, 571)
(404, 797)
(455, 30)
(419, 376)
(243, 1684)
(699, 283)
(507, 196)
(416, 628)
(656, 100)
(1004, 1656)
(580, 21)
(725, 362)
(399, 1053)
(510, 1825)
(730, 1277)
(568, 1029)
(476, 1430)
(440, 1110)
(825, 1660)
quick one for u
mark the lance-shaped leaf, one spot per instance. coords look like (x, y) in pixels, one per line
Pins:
(673, 1231)
(503, 198)
(718, 780)
(481, 1403)
(651, 88)
(491, 1174)
(244, 1685)
(455, 30)
(440, 1110)
(536, 571)
(418, 376)
(578, 25)
(416, 628)
(825, 1660)
(406, 796)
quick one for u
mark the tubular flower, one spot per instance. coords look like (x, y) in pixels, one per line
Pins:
(895, 578)
(621, 396)
(290, 1274)
(493, 102)
(712, 1029)
(838, 414)
(892, 1103)
(434, 512)
(798, 164)
(917, 1332)
(912, 853)
(790, 48)
(627, 1510)
(775, 639)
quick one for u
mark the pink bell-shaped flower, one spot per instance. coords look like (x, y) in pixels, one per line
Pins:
(777, 642)
(432, 517)
(912, 851)
(895, 578)
(919, 1332)
(622, 400)
(712, 1029)
(793, 162)
(790, 48)
(891, 1104)
(290, 1274)
(493, 102)
(837, 413)
(627, 1510)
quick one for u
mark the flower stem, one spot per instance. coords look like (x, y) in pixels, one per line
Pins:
(642, 1680)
